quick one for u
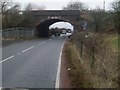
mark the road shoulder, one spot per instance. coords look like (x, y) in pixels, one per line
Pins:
(65, 81)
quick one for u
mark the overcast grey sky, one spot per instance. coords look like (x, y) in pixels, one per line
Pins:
(58, 4)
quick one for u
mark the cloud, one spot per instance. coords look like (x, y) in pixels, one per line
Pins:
(58, 4)
(62, 25)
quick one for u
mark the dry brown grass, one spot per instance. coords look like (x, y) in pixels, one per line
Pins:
(104, 72)
(77, 73)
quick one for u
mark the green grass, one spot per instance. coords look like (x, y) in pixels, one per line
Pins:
(116, 43)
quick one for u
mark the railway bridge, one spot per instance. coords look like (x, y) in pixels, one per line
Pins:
(45, 18)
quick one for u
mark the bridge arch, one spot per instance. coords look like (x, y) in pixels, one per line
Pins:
(42, 29)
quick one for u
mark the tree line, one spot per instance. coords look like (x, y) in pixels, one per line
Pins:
(13, 16)
(101, 19)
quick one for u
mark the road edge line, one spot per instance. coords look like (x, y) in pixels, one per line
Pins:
(57, 83)
(28, 49)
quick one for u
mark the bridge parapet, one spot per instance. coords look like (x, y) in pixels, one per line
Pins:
(17, 33)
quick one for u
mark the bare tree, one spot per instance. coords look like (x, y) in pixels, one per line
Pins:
(14, 14)
(11, 16)
(6, 5)
(10, 13)
(98, 16)
(116, 17)
(28, 19)
(31, 6)
(75, 6)
(116, 5)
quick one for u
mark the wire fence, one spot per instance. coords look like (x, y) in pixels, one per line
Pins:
(91, 52)
(98, 59)
(17, 33)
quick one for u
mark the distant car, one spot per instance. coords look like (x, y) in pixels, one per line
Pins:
(69, 31)
(63, 31)
(57, 34)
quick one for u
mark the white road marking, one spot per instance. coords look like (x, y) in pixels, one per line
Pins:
(7, 58)
(57, 84)
(22, 51)
(42, 43)
(28, 48)
(18, 53)
(50, 39)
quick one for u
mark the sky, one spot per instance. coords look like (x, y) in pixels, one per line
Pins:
(59, 4)
(66, 25)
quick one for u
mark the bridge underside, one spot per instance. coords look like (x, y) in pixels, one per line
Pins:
(42, 29)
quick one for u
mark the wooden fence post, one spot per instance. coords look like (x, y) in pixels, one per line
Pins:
(81, 49)
(92, 56)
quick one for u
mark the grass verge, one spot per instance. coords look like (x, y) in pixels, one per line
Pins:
(77, 73)
(100, 71)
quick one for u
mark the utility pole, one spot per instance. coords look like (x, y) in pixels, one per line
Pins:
(104, 5)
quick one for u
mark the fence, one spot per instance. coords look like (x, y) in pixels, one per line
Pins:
(89, 51)
(17, 33)
(98, 59)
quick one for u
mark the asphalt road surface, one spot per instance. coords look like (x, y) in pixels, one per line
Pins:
(31, 64)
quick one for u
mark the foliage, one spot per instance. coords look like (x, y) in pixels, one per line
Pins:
(12, 16)
(106, 20)
(116, 17)
(103, 69)
(4, 4)
(102, 20)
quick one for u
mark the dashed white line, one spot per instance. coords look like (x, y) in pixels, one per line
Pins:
(42, 43)
(50, 39)
(28, 48)
(7, 58)
(22, 51)
(18, 53)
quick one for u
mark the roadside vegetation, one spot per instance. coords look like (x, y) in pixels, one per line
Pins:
(13, 16)
(76, 73)
(94, 59)
(116, 43)
(92, 53)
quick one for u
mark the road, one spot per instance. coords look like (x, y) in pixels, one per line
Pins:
(31, 64)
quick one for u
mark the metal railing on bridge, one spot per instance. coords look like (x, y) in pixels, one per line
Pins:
(17, 33)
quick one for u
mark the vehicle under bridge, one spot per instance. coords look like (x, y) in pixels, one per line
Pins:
(42, 29)
(45, 18)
